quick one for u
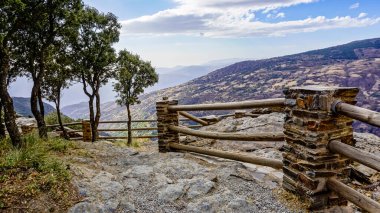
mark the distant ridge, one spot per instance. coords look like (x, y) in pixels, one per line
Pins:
(22, 107)
(355, 64)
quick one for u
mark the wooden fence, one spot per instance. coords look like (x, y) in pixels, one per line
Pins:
(85, 127)
(318, 136)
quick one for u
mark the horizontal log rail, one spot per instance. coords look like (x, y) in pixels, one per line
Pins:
(123, 130)
(276, 102)
(70, 131)
(278, 136)
(358, 113)
(229, 155)
(133, 121)
(193, 118)
(66, 124)
(126, 137)
(353, 196)
(76, 139)
(355, 154)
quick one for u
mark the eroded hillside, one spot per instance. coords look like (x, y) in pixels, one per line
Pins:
(356, 64)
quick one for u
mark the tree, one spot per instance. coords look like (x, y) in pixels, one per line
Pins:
(2, 126)
(10, 24)
(57, 77)
(133, 75)
(46, 24)
(94, 57)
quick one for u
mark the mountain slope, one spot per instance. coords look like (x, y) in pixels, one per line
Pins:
(356, 64)
(22, 107)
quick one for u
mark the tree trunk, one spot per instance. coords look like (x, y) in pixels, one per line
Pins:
(2, 126)
(9, 112)
(58, 107)
(34, 102)
(98, 112)
(36, 99)
(129, 125)
(92, 118)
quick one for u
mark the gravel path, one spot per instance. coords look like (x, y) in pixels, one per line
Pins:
(119, 179)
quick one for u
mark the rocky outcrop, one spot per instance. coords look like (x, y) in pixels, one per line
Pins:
(115, 179)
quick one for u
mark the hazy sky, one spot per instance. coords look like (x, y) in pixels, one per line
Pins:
(188, 32)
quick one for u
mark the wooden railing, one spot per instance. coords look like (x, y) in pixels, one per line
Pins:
(168, 129)
(311, 111)
(187, 118)
(360, 156)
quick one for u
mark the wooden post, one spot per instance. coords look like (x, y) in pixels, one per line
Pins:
(309, 126)
(86, 128)
(165, 118)
(27, 129)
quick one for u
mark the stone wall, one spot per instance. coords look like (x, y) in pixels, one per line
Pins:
(165, 118)
(309, 126)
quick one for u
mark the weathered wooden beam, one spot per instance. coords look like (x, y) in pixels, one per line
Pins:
(123, 130)
(125, 137)
(67, 124)
(353, 196)
(230, 105)
(193, 118)
(69, 131)
(133, 121)
(356, 154)
(358, 113)
(229, 155)
(76, 139)
(278, 136)
(193, 126)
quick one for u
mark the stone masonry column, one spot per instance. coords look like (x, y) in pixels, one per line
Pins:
(309, 126)
(86, 128)
(165, 118)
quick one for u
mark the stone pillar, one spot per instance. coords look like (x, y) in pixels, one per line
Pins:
(166, 118)
(27, 129)
(86, 128)
(309, 126)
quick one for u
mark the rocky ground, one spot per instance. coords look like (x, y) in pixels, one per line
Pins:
(117, 179)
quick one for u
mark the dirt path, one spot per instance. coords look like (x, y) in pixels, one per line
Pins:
(119, 179)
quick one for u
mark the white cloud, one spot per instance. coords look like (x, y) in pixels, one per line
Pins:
(280, 15)
(354, 6)
(234, 18)
(362, 15)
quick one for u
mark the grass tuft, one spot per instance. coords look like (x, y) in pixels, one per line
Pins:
(35, 171)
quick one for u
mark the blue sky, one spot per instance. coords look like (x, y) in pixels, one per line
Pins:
(188, 32)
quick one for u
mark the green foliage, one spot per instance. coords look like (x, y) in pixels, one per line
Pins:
(35, 154)
(93, 51)
(133, 76)
(52, 118)
(33, 169)
(136, 143)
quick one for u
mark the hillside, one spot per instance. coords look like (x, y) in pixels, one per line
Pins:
(355, 64)
(22, 107)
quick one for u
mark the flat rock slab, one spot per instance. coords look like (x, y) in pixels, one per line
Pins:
(119, 179)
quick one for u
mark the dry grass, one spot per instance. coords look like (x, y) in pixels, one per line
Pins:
(33, 178)
(291, 201)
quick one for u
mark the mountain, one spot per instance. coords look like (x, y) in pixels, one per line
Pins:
(169, 77)
(356, 64)
(22, 107)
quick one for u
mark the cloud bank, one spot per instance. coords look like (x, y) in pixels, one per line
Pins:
(234, 18)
